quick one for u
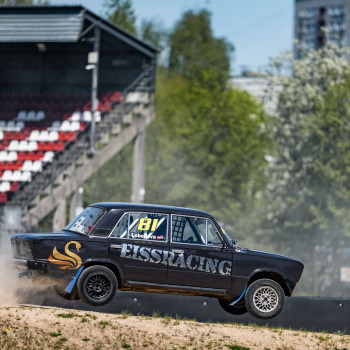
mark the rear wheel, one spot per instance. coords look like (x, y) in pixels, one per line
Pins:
(97, 285)
(237, 309)
(264, 298)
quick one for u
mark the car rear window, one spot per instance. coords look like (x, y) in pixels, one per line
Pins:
(85, 221)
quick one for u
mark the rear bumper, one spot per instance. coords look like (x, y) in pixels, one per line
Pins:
(27, 265)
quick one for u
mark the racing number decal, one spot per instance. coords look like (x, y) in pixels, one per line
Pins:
(145, 224)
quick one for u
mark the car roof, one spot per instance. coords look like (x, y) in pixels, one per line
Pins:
(152, 207)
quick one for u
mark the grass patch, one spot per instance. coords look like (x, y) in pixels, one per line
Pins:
(104, 324)
(56, 334)
(237, 347)
(67, 315)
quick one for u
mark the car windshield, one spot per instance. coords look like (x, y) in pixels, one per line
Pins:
(85, 221)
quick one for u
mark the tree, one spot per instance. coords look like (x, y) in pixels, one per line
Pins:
(122, 14)
(309, 192)
(194, 47)
(207, 148)
(154, 33)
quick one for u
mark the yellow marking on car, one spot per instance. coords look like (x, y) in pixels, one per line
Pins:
(69, 261)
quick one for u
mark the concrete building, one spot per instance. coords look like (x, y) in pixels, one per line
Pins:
(260, 88)
(312, 16)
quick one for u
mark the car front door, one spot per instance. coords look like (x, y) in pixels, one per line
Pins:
(138, 242)
(198, 256)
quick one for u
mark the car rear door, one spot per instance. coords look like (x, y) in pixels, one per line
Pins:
(198, 256)
(138, 242)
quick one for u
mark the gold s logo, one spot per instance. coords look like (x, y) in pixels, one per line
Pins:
(69, 261)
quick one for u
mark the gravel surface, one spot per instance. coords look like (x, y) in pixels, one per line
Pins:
(36, 327)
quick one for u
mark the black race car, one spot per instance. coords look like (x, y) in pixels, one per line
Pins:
(150, 248)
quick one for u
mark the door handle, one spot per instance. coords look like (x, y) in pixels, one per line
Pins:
(177, 251)
(116, 246)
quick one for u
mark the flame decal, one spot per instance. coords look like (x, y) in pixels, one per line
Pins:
(69, 261)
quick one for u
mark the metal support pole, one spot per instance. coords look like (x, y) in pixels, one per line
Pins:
(138, 174)
(59, 217)
(94, 85)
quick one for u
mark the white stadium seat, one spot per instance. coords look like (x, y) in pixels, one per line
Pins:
(19, 125)
(34, 135)
(65, 126)
(12, 156)
(44, 135)
(1, 134)
(5, 186)
(32, 146)
(48, 156)
(16, 176)
(26, 176)
(7, 175)
(23, 145)
(34, 166)
(56, 125)
(10, 125)
(76, 116)
(53, 136)
(22, 115)
(40, 116)
(86, 116)
(3, 156)
(31, 116)
(14, 145)
(74, 126)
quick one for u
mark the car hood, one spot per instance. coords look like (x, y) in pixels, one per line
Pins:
(268, 255)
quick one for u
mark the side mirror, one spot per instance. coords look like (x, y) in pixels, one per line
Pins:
(235, 243)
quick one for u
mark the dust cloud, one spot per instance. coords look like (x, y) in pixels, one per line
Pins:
(13, 289)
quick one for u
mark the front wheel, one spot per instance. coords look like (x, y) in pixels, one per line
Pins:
(97, 285)
(264, 298)
(237, 309)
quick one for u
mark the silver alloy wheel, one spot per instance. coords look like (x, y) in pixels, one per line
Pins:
(265, 299)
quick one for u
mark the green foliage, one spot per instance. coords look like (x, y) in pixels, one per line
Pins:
(193, 47)
(309, 193)
(310, 175)
(122, 14)
(207, 149)
(154, 33)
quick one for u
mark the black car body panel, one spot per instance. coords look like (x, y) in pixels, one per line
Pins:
(151, 252)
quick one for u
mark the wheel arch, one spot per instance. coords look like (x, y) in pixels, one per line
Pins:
(276, 276)
(113, 266)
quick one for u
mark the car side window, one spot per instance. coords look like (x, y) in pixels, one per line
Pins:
(148, 226)
(213, 236)
(187, 229)
(121, 230)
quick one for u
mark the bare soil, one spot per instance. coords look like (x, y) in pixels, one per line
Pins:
(37, 327)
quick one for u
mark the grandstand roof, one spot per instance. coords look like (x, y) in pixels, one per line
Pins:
(59, 24)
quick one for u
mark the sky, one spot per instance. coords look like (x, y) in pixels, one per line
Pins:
(258, 29)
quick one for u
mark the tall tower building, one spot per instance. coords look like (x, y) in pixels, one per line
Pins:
(313, 16)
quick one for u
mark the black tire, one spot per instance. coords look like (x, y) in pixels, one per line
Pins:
(97, 285)
(264, 298)
(60, 290)
(237, 309)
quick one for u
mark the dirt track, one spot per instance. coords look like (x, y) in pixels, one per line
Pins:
(33, 327)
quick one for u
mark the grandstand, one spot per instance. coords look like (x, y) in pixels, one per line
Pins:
(48, 108)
